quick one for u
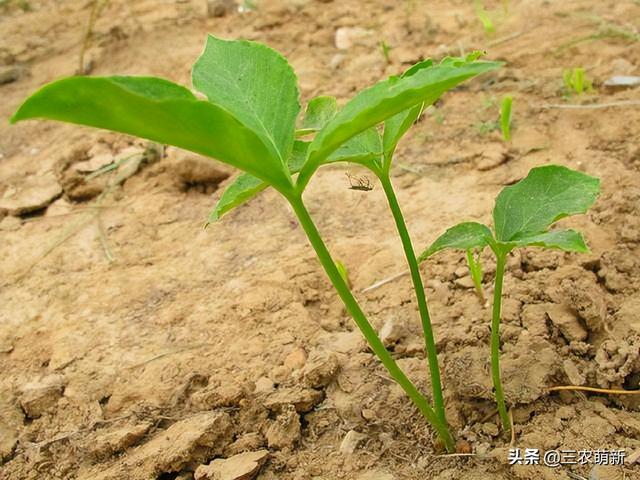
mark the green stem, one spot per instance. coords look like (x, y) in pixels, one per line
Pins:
(495, 342)
(429, 340)
(365, 327)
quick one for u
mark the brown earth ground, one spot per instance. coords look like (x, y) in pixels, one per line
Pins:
(135, 345)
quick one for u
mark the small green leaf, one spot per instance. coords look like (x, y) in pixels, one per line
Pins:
(567, 240)
(243, 189)
(253, 82)
(247, 186)
(545, 196)
(386, 99)
(320, 110)
(463, 236)
(160, 111)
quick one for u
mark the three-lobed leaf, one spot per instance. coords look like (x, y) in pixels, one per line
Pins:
(524, 212)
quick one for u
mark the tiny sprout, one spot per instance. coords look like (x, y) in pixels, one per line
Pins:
(505, 117)
(576, 81)
(475, 269)
(484, 18)
(386, 50)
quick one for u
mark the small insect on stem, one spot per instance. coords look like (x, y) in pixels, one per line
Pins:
(362, 184)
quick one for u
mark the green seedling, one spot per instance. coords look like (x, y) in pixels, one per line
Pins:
(503, 123)
(386, 50)
(575, 81)
(522, 216)
(505, 117)
(248, 120)
(475, 269)
(484, 18)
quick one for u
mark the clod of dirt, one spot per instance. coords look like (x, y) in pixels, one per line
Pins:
(303, 399)
(119, 440)
(351, 441)
(185, 443)
(393, 330)
(492, 156)
(243, 466)
(628, 316)
(343, 342)
(466, 371)
(526, 381)
(31, 194)
(320, 371)
(99, 156)
(296, 359)
(75, 184)
(578, 289)
(572, 372)
(534, 319)
(264, 385)
(193, 171)
(567, 322)
(10, 74)
(210, 397)
(39, 396)
(74, 171)
(220, 8)
(617, 359)
(464, 282)
(284, 431)
(347, 37)
(246, 443)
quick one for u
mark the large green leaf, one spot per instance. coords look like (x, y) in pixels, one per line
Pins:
(567, 240)
(253, 82)
(463, 236)
(161, 111)
(546, 195)
(386, 99)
